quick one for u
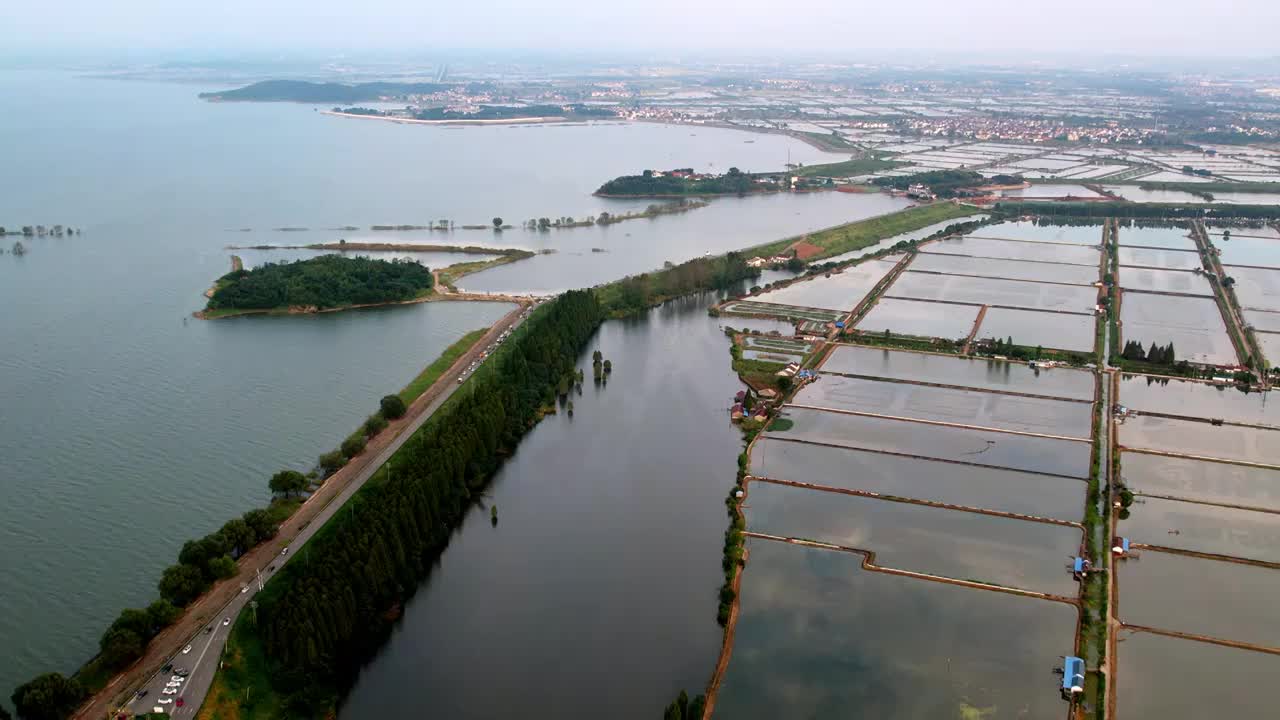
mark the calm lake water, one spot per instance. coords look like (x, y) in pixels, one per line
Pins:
(129, 427)
(606, 554)
(818, 637)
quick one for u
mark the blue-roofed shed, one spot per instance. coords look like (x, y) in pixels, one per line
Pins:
(1072, 674)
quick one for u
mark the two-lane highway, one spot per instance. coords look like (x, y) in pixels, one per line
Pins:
(203, 659)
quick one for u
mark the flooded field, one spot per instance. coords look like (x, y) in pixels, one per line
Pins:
(1009, 269)
(994, 489)
(1025, 230)
(840, 291)
(1170, 281)
(770, 355)
(1270, 343)
(989, 291)
(969, 372)
(1152, 680)
(818, 637)
(1013, 250)
(1216, 233)
(1256, 251)
(1191, 437)
(1256, 289)
(1199, 480)
(936, 541)
(1157, 237)
(1194, 326)
(1214, 598)
(963, 407)
(1182, 525)
(920, 319)
(1151, 257)
(1051, 330)
(777, 344)
(1199, 399)
(1263, 321)
(981, 447)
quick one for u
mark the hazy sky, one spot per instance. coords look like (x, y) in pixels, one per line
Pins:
(1138, 27)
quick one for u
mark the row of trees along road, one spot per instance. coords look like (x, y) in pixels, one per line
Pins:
(327, 611)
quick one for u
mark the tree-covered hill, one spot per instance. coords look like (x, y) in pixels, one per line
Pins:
(327, 281)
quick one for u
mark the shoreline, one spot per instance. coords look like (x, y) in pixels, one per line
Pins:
(435, 296)
(673, 196)
(414, 121)
(393, 247)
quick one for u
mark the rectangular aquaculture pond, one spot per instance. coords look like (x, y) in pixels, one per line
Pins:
(963, 407)
(818, 637)
(936, 541)
(989, 291)
(1194, 326)
(1158, 258)
(1014, 250)
(1200, 480)
(1213, 598)
(1229, 682)
(1032, 328)
(969, 372)
(837, 291)
(952, 483)
(1009, 269)
(980, 447)
(920, 319)
(1202, 439)
(1169, 281)
(1211, 529)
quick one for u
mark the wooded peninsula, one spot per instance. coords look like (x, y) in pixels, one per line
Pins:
(321, 283)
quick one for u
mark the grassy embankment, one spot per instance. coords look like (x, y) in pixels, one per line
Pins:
(1092, 641)
(450, 275)
(865, 233)
(825, 141)
(848, 168)
(1210, 187)
(1125, 209)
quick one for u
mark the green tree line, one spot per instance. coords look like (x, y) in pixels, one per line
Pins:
(325, 282)
(734, 182)
(637, 292)
(1158, 355)
(327, 611)
(943, 183)
(1137, 210)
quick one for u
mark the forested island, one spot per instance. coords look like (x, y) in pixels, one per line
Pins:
(684, 181)
(323, 283)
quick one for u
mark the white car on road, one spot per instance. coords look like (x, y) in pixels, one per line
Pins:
(186, 650)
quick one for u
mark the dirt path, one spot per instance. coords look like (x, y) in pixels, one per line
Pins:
(209, 605)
